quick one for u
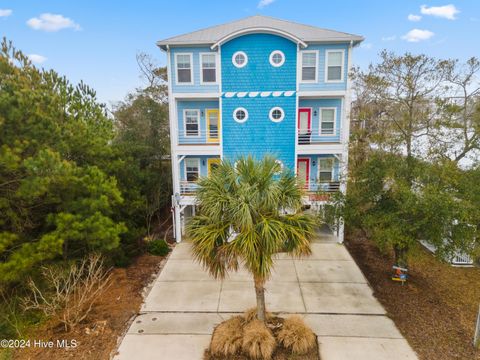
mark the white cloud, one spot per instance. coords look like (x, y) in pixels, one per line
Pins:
(446, 11)
(52, 22)
(5, 12)
(366, 46)
(37, 59)
(389, 38)
(417, 35)
(413, 17)
(264, 3)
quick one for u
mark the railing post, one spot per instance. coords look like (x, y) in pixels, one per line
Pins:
(476, 338)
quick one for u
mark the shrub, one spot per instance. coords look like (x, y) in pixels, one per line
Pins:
(71, 292)
(258, 340)
(158, 247)
(296, 335)
(251, 314)
(227, 337)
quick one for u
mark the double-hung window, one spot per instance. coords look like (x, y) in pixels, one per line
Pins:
(327, 121)
(192, 169)
(184, 68)
(192, 122)
(334, 65)
(209, 68)
(309, 66)
(325, 170)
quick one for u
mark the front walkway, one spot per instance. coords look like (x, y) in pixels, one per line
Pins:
(328, 289)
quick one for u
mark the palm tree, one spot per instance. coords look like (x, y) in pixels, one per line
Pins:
(248, 212)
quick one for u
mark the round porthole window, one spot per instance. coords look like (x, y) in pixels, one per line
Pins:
(240, 115)
(276, 114)
(281, 167)
(277, 58)
(239, 59)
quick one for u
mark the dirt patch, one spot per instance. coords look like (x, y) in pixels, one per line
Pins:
(435, 310)
(97, 337)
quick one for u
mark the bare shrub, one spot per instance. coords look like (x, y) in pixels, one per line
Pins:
(251, 314)
(296, 335)
(258, 340)
(227, 337)
(71, 292)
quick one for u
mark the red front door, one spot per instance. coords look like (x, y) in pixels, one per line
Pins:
(303, 171)
(304, 120)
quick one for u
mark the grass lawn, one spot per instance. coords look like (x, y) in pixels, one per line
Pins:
(436, 310)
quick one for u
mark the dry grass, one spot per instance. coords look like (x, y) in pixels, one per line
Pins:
(296, 335)
(258, 340)
(227, 337)
(251, 314)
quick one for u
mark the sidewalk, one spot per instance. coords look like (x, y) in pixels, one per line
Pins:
(328, 289)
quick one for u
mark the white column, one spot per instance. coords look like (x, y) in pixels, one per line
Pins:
(178, 224)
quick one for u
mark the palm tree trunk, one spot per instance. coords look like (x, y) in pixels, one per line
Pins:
(260, 292)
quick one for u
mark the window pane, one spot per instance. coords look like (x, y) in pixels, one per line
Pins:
(191, 123)
(325, 176)
(326, 164)
(184, 75)
(208, 61)
(327, 128)
(335, 58)
(209, 75)
(334, 73)
(328, 115)
(183, 61)
(192, 170)
(308, 73)
(239, 59)
(309, 59)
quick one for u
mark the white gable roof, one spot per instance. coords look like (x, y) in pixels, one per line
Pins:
(297, 32)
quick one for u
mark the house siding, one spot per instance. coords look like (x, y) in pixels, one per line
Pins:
(202, 106)
(315, 105)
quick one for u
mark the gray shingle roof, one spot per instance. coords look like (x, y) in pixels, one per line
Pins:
(305, 33)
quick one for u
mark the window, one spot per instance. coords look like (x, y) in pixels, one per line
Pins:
(327, 121)
(209, 68)
(192, 169)
(239, 59)
(277, 58)
(276, 114)
(309, 66)
(334, 64)
(184, 68)
(325, 169)
(240, 115)
(192, 122)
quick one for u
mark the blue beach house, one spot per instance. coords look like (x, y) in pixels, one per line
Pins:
(259, 86)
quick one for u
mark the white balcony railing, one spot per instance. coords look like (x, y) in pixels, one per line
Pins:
(198, 137)
(188, 187)
(313, 136)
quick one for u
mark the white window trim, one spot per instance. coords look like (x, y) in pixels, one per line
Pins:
(333, 167)
(270, 114)
(274, 52)
(334, 121)
(237, 65)
(185, 167)
(191, 69)
(201, 68)
(316, 66)
(185, 123)
(343, 66)
(235, 118)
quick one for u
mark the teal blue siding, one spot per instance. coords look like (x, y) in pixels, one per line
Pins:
(259, 74)
(321, 84)
(196, 87)
(315, 105)
(200, 105)
(259, 135)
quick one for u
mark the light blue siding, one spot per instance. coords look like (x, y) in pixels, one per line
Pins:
(259, 135)
(196, 87)
(259, 74)
(203, 165)
(321, 84)
(314, 186)
(202, 106)
(315, 105)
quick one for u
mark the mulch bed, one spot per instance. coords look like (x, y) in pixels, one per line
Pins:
(435, 310)
(97, 337)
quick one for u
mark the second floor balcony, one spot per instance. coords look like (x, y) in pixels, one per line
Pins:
(195, 136)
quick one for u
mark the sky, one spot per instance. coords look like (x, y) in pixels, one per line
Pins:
(96, 40)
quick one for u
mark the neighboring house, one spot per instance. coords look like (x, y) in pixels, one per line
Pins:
(259, 86)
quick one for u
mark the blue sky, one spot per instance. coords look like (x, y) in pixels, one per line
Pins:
(96, 41)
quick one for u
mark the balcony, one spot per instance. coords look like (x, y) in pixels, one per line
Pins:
(312, 136)
(323, 187)
(188, 187)
(198, 137)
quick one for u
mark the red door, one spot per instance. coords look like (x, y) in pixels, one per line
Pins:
(303, 171)
(304, 125)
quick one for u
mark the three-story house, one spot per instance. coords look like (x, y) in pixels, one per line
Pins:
(259, 86)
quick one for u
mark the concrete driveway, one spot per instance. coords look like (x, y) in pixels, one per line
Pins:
(328, 289)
